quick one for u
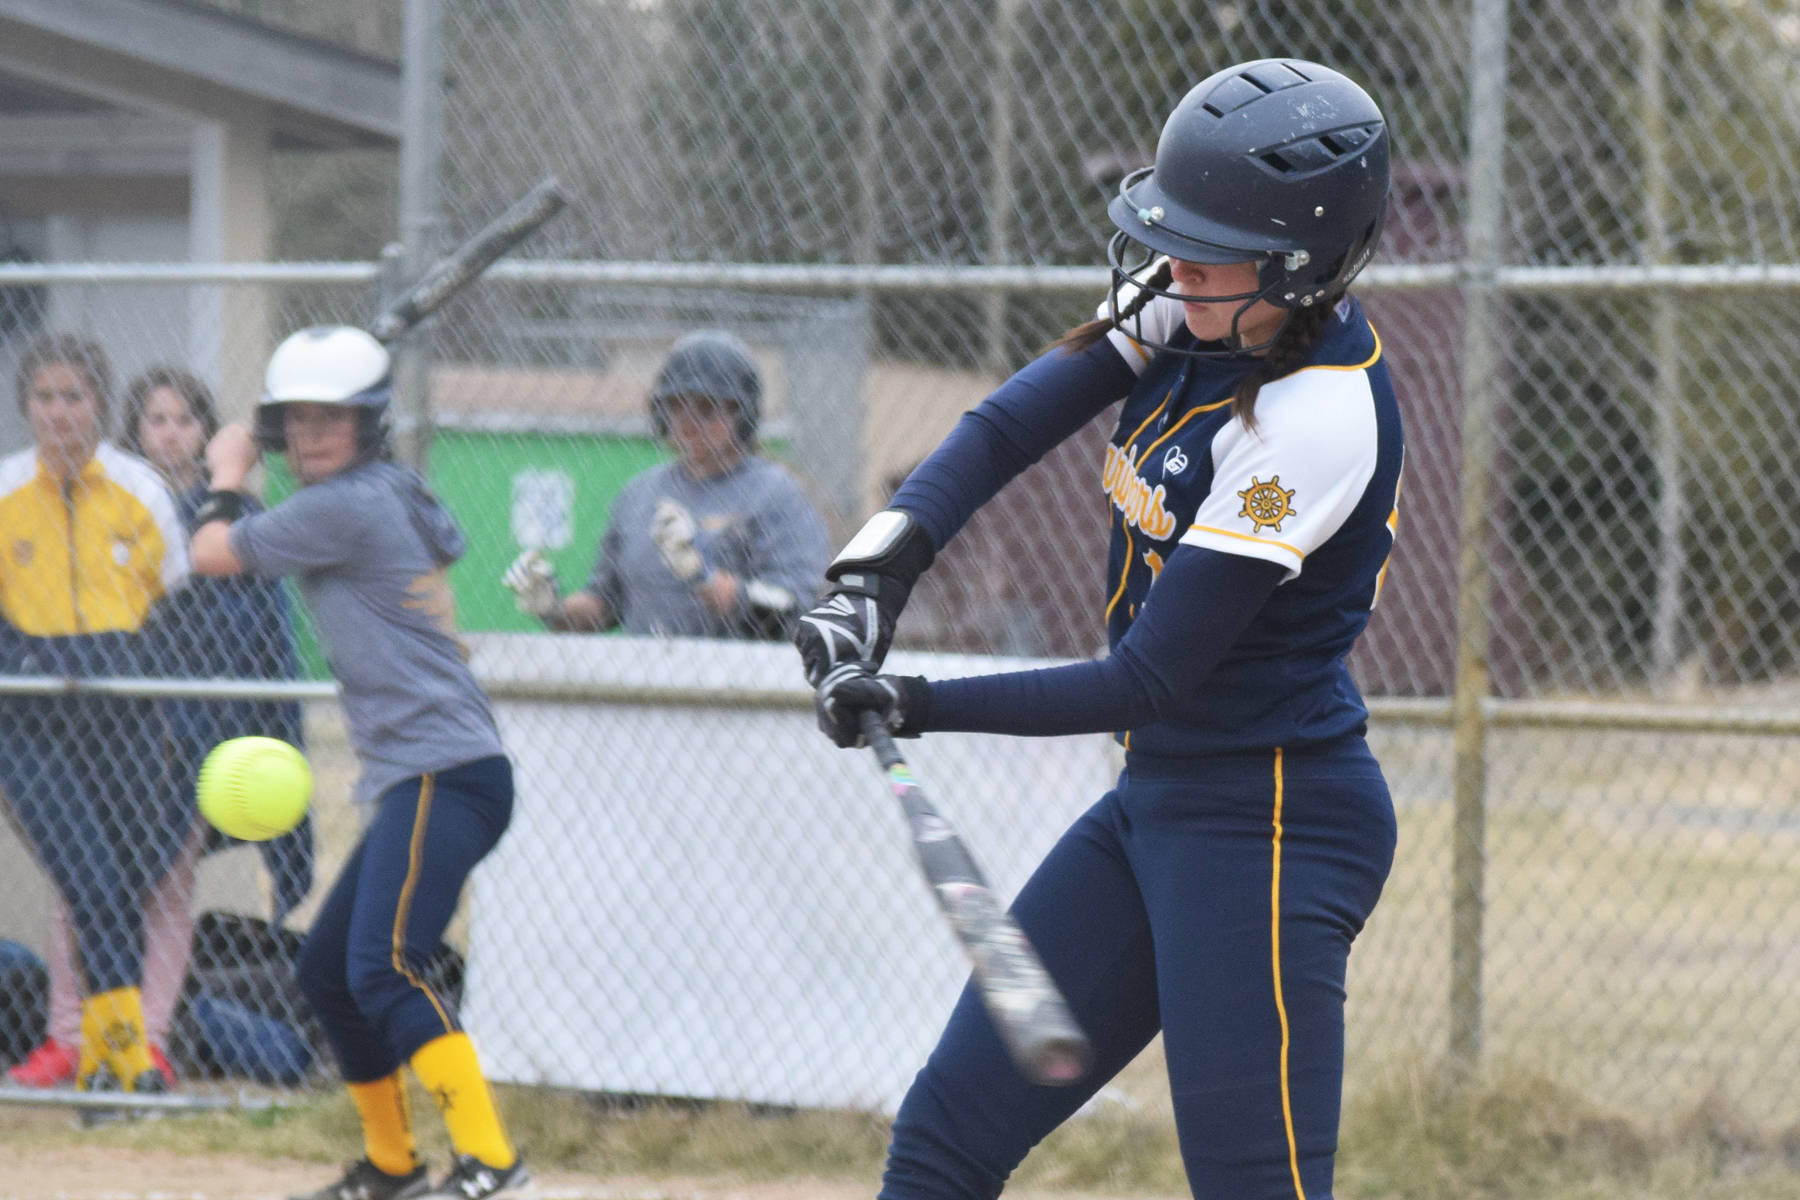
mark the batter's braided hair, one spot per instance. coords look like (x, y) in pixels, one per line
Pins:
(1082, 336)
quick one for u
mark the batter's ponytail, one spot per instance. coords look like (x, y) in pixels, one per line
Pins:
(1082, 336)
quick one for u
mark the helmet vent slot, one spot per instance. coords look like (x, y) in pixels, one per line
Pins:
(1273, 76)
(1298, 157)
(1314, 153)
(1233, 94)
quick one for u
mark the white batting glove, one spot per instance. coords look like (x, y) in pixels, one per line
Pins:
(532, 581)
(673, 529)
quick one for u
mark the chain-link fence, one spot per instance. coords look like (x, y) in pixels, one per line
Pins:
(1581, 669)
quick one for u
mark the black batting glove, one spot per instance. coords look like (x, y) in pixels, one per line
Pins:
(903, 702)
(870, 581)
(846, 627)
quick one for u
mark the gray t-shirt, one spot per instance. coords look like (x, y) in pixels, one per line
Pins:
(368, 549)
(754, 521)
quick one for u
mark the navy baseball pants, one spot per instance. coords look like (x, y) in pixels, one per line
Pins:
(362, 965)
(1213, 900)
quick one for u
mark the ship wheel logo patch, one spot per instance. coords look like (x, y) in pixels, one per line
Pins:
(1267, 504)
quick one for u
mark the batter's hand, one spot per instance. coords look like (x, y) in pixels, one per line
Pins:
(901, 701)
(532, 581)
(844, 628)
(673, 529)
(230, 456)
(870, 580)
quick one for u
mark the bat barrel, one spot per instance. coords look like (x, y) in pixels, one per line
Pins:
(1033, 1020)
(451, 274)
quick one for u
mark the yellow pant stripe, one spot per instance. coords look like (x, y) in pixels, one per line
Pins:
(1287, 1101)
(415, 857)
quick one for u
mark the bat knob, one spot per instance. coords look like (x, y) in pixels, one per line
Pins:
(1061, 1061)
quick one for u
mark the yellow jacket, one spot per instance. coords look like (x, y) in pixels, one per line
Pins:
(92, 557)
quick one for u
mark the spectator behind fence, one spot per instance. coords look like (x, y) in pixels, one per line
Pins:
(231, 628)
(226, 628)
(719, 543)
(93, 544)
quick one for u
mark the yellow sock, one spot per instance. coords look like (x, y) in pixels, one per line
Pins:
(452, 1076)
(112, 1034)
(387, 1123)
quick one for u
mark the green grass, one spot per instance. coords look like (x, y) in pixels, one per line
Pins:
(1412, 1135)
(1517, 1134)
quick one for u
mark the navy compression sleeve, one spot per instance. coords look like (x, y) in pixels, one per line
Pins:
(1199, 605)
(1045, 402)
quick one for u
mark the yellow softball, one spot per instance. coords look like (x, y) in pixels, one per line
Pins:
(254, 788)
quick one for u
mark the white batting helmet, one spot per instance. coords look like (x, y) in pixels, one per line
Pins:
(328, 364)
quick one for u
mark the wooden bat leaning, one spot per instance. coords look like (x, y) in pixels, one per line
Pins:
(1033, 1019)
(457, 270)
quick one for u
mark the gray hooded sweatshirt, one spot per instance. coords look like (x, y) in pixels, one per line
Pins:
(368, 549)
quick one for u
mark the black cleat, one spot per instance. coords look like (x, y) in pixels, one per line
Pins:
(363, 1180)
(472, 1179)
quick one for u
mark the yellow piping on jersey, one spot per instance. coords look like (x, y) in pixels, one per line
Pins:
(1189, 415)
(1244, 537)
(1393, 527)
(1124, 574)
(1125, 570)
(1287, 1100)
(1364, 365)
(415, 854)
(1148, 419)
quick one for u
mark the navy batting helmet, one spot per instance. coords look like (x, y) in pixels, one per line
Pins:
(1280, 162)
(716, 365)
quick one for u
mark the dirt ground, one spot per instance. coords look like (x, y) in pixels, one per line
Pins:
(112, 1173)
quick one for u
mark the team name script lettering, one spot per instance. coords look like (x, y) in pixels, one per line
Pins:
(1138, 502)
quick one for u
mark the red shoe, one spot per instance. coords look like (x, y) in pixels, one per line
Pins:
(162, 1064)
(50, 1065)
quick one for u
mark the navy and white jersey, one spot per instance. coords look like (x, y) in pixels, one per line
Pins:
(1312, 486)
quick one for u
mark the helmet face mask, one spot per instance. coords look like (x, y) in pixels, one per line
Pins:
(1131, 275)
(328, 364)
(1279, 162)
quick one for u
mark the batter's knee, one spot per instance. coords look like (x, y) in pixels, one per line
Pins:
(319, 973)
(373, 977)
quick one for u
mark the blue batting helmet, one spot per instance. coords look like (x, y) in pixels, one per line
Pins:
(1279, 161)
(716, 365)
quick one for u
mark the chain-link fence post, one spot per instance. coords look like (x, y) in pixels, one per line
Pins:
(1483, 358)
(995, 351)
(1665, 347)
(421, 157)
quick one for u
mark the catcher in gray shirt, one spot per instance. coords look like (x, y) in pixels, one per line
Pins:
(368, 544)
(720, 543)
